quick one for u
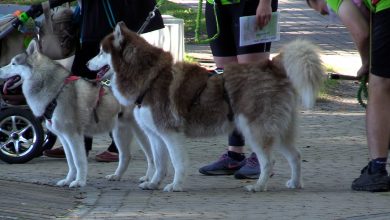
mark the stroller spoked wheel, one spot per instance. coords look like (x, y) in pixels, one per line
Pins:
(21, 135)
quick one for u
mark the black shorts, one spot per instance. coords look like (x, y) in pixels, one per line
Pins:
(380, 58)
(227, 43)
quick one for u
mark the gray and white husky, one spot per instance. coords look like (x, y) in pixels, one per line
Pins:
(73, 108)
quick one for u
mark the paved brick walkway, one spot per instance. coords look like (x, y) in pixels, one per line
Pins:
(332, 140)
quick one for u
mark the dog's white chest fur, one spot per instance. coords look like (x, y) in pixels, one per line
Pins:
(118, 95)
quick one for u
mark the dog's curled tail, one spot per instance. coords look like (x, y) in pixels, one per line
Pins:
(302, 62)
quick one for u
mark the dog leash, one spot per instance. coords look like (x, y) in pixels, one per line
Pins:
(363, 90)
(198, 22)
(219, 72)
(110, 16)
(151, 15)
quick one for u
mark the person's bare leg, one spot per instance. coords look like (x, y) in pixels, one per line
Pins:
(237, 149)
(374, 176)
(221, 62)
(253, 57)
(378, 117)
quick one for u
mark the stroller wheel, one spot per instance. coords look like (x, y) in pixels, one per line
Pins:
(21, 135)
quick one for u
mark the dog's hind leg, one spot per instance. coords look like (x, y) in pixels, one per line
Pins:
(293, 157)
(76, 144)
(71, 166)
(122, 138)
(261, 144)
(160, 157)
(175, 144)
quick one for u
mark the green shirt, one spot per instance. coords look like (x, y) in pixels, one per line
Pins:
(225, 2)
(381, 5)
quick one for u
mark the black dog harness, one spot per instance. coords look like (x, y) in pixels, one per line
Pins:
(226, 97)
(49, 110)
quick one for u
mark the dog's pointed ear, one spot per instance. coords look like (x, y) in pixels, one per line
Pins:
(32, 47)
(118, 34)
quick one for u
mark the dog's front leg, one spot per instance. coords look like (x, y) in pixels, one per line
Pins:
(122, 139)
(77, 148)
(69, 159)
(144, 143)
(175, 144)
(160, 157)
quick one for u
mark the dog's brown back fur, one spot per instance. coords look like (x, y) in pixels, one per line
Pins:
(262, 93)
(182, 95)
(197, 100)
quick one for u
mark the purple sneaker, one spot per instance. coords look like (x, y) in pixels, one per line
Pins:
(224, 166)
(250, 168)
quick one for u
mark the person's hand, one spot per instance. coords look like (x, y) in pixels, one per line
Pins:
(263, 13)
(363, 71)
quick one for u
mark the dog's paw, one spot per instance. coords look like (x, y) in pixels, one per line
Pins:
(77, 183)
(113, 177)
(64, 182)
(173, 188)
(255, 188)
(148, 186)
(294, 184)
(143, 179)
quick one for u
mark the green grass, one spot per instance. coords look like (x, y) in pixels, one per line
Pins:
(189, 15)
(329, 84)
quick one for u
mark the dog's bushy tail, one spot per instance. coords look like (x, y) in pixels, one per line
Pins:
(302, 62)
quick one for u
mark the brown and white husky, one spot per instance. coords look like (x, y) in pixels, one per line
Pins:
(260, 99)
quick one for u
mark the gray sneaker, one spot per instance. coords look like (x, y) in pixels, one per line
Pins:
(223, 166)
(250, 168)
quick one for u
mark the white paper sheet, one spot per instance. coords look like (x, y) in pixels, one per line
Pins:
(250, 33)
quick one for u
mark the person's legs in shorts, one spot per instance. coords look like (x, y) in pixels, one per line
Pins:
(226, 50)
(374, 176)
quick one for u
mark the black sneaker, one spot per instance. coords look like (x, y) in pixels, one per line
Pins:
(372, 182)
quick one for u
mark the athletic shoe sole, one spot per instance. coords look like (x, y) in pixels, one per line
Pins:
(217, 172)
